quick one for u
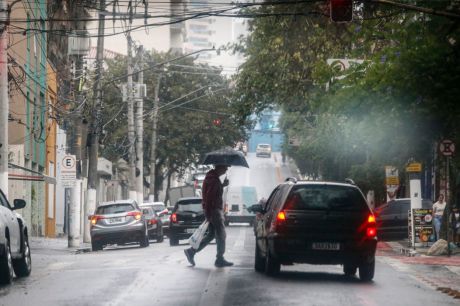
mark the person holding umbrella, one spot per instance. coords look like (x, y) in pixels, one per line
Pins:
(212, 191)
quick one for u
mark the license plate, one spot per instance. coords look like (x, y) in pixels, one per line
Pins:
(116, 220)
(328, 246)
(190, 230)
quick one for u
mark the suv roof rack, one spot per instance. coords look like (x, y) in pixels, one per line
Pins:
(350, 181)
(291, 179)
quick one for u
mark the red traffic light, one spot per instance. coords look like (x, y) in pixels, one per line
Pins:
(216, 122)
(341, 10)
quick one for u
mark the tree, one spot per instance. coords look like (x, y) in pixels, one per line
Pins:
(392, 107)
(186, 130)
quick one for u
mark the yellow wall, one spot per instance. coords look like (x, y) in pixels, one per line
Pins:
(51, 127)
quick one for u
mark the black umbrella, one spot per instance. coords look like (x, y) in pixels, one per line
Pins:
(226, 156)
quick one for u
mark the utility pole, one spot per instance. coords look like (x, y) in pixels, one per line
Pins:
(4, 102)
(75, 192)
(140, 128)
(131, 126)
(90, 204)
(153, 142)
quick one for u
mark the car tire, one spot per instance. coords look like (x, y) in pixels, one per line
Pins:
(349, 270)
(367, 270)
(272, 265)
(145, 242)
(160, 236)
(23, 266)
(259, 261)
(96, 246)
(173, 241)
(6, 266)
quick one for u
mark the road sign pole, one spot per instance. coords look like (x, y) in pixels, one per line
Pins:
(447, 148)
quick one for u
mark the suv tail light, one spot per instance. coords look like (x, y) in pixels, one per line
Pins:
(153, 221)
(96, 218)
(371, 227)
(195, 185)
(174, 218)
(280, 219)
(136, 214)
(281, 216)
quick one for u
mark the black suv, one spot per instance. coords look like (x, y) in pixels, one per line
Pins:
(392, 218)
(186, 217)
(316, 223)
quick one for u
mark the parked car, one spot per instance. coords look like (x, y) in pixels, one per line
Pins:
(154, 223)
(118, 222)
(186, 217)
(316, 222)
(392, 218)
(14, 241)
(160, 209)
(263, 149)
(237, 201)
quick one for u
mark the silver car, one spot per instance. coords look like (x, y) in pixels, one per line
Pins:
(118, 222)
(160, 209)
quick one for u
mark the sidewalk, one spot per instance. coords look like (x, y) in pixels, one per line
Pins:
(441, 273)
(56, 245)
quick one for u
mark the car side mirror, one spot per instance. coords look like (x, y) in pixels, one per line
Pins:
(256, 208)
(19, 204)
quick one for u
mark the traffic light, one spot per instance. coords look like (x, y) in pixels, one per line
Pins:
(341, 10)
(216, 122)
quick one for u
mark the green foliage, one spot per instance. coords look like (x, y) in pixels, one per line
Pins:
(185, 129)
(392, 107)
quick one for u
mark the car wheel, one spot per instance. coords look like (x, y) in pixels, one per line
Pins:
(349, 270)
(272, 266)
(6, 266)
(259, 262)
(145, 242)
(366, 270)
(173, 241)
(160, 236)
(23, 266)
(96, 246)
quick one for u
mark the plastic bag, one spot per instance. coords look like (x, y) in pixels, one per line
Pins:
(198, 235)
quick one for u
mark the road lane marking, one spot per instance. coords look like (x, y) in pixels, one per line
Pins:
(215, 288)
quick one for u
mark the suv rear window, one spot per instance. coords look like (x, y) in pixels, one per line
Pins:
(325, 197)
(114, 209)
(264, 146)
(190, 205)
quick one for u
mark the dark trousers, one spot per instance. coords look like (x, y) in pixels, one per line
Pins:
(216, 229)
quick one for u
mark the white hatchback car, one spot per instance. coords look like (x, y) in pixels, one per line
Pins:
(264, 149)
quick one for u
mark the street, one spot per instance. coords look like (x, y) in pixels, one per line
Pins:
(160, 274)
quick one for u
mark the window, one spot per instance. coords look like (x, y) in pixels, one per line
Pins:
(190, 206)
(4, 201)
(114, 209)
(325, 197)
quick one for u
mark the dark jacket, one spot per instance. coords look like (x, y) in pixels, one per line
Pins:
(212, 193)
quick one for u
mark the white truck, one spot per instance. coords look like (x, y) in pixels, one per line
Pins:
(237, 200)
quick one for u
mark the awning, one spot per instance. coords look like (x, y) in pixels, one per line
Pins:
(25, 174)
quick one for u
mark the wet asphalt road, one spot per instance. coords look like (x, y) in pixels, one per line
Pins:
(160, 274)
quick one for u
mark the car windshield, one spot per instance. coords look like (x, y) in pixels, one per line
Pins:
(325, 197)
(114, 209)
(264, 146)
